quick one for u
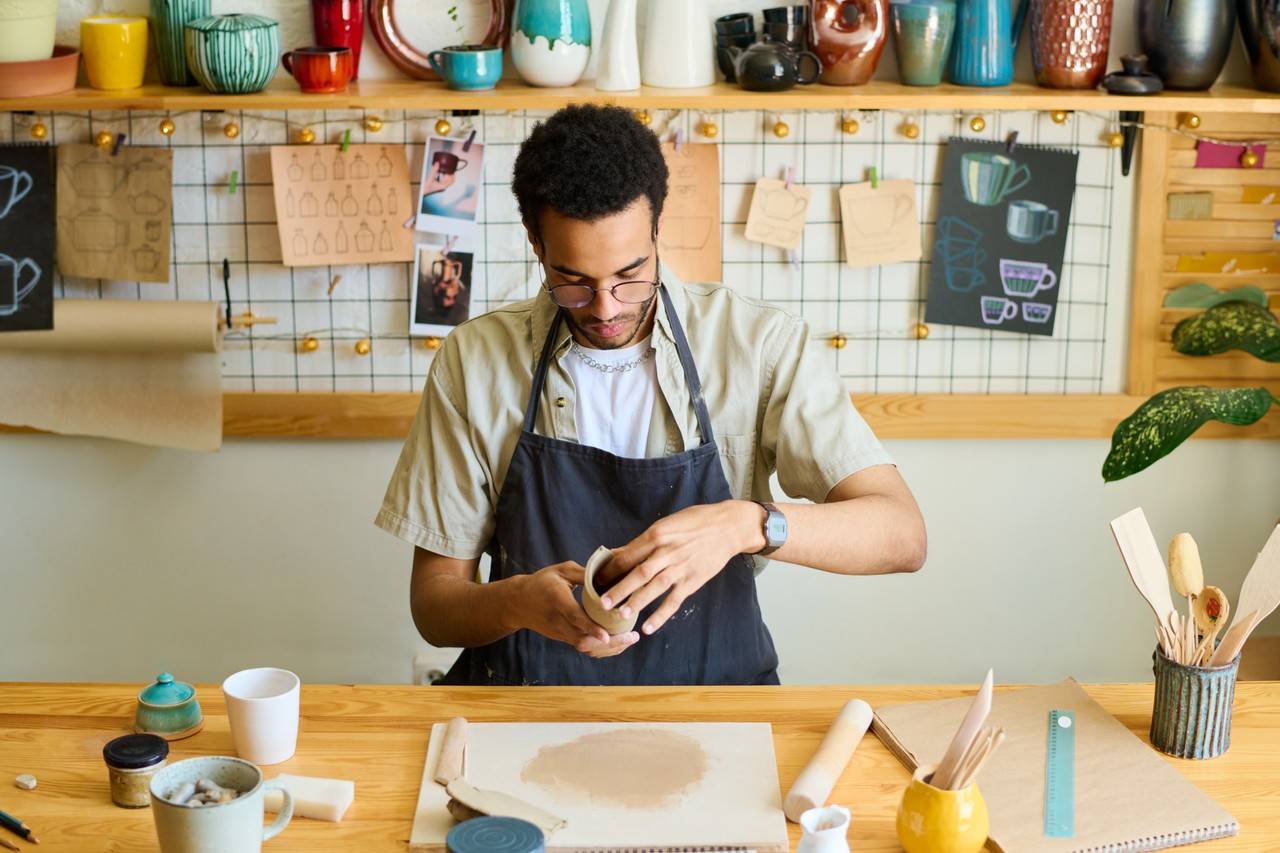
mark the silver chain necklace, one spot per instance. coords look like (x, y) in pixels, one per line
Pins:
(621, 367)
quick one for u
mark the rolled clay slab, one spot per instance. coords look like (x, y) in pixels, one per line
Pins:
(814, 784)
(611, 620)
(468, 799)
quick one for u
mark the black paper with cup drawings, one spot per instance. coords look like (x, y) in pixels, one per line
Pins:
(26, 237)
(1001, 236)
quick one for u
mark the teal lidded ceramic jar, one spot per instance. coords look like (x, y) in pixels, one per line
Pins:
(233, 54)
(551, 41)
(168, 708)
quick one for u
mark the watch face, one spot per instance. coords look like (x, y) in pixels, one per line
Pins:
(776, 529)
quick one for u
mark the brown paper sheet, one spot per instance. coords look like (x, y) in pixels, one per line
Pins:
(690, 238)
(146, 372)
(1126, 796)
(342, 208)
(777, 213)
(880, 225)
(114, 212)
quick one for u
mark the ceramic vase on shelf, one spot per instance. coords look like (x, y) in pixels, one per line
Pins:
(618, 65)
(551, 41)
(169, 19)
(27, 29)
(678, 46)
(848, 36)
(340, 23)
(1187, 41)
(1259, 27)
(984, 43)
(233, 54)
(1069, 42)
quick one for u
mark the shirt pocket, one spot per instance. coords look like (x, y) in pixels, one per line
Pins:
(738, 458)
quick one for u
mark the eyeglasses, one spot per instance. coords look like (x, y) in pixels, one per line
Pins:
(581, 295)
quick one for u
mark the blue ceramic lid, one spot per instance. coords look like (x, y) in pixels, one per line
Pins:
(494, 835)
(166, 691)
(134, 752)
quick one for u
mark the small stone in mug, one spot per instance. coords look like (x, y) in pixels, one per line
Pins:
(26, 782)
(183, 794)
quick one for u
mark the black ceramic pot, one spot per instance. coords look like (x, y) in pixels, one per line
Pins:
(1186, 41)
(1260, 29)
(770, 66)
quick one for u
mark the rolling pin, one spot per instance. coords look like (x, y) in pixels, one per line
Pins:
(452, 752)
(814, 784)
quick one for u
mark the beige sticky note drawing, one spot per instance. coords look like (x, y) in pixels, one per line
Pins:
(1197, 205)
(777, 213)
(690, 237)
(880, 225)
(336, 207)
(114, 212)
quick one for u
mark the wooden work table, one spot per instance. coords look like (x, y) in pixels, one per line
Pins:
(377, 735)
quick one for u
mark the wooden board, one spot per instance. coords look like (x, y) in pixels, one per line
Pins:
(730, 798)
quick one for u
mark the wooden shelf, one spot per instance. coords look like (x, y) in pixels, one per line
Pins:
(402, 94)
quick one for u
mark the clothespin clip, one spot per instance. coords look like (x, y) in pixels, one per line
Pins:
(346, 139)
(874, 177)
(226, 287)
(408, 223)
(115, 148)
(794, 257)
(333, 283)
(471, 137)
(678, 139)
(791, 177)
(448, 245)
(1012, 142)
(231, 184)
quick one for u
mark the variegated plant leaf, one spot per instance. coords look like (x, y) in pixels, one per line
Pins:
(1244, 326)
(1170, 417)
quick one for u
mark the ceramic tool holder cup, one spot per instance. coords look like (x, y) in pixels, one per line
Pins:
(1191, 717)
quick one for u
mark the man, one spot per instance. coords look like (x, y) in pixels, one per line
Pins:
(623, 408)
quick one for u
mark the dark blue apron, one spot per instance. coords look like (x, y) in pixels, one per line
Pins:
(562, 500)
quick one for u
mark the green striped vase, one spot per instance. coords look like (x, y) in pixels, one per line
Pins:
(233, 54)
(169, 19)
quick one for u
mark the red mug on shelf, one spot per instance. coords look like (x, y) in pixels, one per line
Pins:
(340, 23)
(320, 69)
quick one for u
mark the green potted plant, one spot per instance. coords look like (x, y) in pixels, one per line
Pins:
(1171, 416)
(466, 66)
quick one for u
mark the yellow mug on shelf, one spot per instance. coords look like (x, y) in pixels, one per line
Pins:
(115, 50)
(931, 820)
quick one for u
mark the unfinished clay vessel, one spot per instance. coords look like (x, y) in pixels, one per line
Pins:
(611, 620)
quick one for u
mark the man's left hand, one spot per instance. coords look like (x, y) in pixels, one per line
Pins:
(678, 555)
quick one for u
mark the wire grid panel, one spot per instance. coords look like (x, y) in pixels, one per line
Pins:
(877, 309)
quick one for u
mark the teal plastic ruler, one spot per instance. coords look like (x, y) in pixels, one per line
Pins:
(1060, 776)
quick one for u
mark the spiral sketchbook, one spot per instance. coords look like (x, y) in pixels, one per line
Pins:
(1128, 798)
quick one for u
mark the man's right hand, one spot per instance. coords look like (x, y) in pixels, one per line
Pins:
(548, 607)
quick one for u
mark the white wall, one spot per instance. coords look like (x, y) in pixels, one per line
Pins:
(119, 562)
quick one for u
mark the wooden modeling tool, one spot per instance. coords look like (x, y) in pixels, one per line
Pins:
(1185, 570)
(1211, 611)
(1233, 640)
(1261, 590)
(814, 784)
(1142, 559)
(944, 776)
(452, 752)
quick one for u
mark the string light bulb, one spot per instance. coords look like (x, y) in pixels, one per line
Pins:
(167, 127)
(920, 331)
(849, 126)
(1115, 139)
(373, 124)
(39, 131)
(309, 344)
(231, 130)
(709, 129)
(977, 124)
(431, 343)
(443, 128)
(781, 129)
(839, 341)
(103, 139)
(644, 118)
(1059, 116)
(909, 129)
(306, 136)
(1248, 159)
(364, 346)
(1190, 121)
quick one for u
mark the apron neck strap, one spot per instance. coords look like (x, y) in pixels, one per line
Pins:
(682, 349)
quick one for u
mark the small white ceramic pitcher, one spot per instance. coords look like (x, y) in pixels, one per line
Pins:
(826, 830)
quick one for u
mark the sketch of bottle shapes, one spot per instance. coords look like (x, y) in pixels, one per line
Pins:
(364, 238)
(384, 240)
(290, 204)
(392, 202)
(318, 171)
(350, 207)
(374, 207)
(331, 205)
(359, 168)
(299, 243)
(384, 165)
(308, 206)
(339, 168)
(295, 169)
(147, 202)
(341, 244)
(321, 245)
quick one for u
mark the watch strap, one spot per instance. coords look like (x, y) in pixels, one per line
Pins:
(769, 547)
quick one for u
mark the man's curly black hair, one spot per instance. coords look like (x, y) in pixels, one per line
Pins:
(588, 162)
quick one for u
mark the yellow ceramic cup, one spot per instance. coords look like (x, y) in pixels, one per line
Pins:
(931, 820)
(115, 51)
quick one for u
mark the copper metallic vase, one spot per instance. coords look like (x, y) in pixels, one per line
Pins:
(848, 36)
(1069, 41)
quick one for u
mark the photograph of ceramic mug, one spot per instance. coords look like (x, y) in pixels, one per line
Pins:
(1030, 221)
(262, 708)
(448, 162)
(997, 309)
(115, 51)
(1025, 278)
(470, 68)
(14, 186)
(18, 277)
(320, 69)
(987, 179)
(231, 826)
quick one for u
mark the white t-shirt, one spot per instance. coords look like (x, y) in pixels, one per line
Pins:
(613, 407)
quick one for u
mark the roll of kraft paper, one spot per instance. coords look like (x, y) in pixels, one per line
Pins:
(147, 372)
(814, 784)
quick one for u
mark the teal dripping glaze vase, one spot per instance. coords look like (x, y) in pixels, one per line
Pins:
(551, 41)
(233, 54)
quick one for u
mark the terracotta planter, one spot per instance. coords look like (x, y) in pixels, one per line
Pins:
(848, 36)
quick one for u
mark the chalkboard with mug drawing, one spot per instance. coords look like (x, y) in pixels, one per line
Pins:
(1001, 236)
(26, 237)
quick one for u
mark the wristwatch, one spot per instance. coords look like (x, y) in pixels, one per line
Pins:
(775, 529)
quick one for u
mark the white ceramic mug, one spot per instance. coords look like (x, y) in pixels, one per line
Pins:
(234, 826)
(262, 707)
